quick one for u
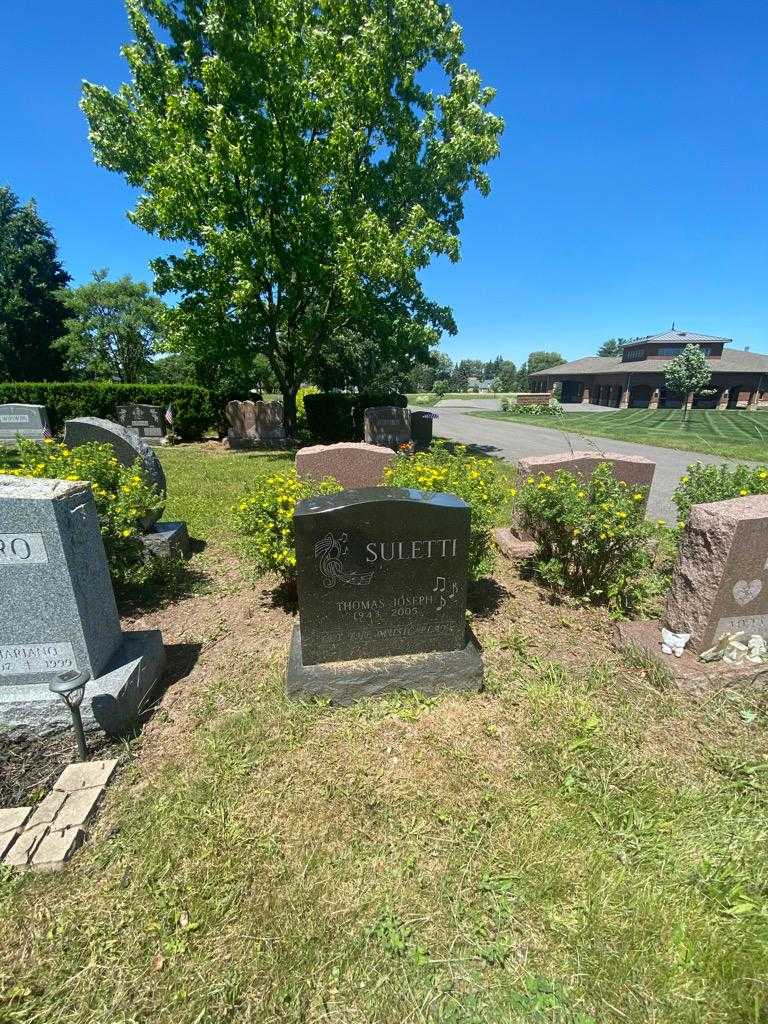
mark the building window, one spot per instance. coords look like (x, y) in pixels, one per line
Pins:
(633, 355)
(675, 350)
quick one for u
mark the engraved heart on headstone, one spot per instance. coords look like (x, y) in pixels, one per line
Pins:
(745, 591)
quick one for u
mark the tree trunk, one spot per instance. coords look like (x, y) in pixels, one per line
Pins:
(289, 411)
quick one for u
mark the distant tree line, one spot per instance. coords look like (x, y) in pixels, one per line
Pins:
(502, 374)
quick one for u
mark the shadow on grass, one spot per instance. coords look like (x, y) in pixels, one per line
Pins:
(284, 596)
(172, 581)
(485, 596)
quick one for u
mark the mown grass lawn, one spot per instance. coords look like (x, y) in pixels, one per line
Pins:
(737, 435)
(578, 843)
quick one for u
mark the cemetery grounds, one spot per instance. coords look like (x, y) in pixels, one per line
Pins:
(579, 843)
(732, 434)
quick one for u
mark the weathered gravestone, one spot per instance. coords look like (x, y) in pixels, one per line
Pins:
(59, 613)
(160, 539)
(387, 425)
(31, 421)
(634, 470)
(382, 580)
(254, 423)
(720, 582)
(148, 421)
(353, 465)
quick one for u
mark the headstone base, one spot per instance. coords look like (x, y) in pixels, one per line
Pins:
(687, 673)
(166, 540)
(345, 682)
(113, 701)
(247, 444)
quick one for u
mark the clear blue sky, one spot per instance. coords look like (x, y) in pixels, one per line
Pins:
(631, 191)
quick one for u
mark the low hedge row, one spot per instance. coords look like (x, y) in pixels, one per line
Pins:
(335, 417)
(194, 408)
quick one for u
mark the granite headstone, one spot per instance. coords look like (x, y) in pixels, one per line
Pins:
(59, 612)
(387, 425)
(353, 465)
(254, 423)
(30, 421)
(720, 582)
(382, 582)
(634, 470)
(126, 444)
(148, 421)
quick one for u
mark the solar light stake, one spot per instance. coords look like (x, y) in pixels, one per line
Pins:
(70, 686)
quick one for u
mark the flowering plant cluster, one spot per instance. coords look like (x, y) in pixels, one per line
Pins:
(716, 483)
(264, 516)
(124, 499)
(479, 482)
(591, 537)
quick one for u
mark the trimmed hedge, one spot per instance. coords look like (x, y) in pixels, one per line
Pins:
(194, 408)
(333, 417)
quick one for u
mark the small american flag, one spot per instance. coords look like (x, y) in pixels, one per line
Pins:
(169, 416)
(47, 435)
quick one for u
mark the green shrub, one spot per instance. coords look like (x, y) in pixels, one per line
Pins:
(124, 498)
(592, 539)
(534, 410)
(333, 417)
(441, 388)
(264, 516)
(301, 412)
(716, 483)
(192, 407)
(479, 482)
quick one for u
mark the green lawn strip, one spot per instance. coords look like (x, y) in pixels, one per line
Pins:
(205, 486)
(730, 435)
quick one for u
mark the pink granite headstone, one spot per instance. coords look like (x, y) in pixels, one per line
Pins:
(634, 470)
(720, 582)
(353, 465)
(252, 422)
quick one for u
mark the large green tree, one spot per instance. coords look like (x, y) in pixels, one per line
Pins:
(113, 329)
(31, 278)
(294, 146)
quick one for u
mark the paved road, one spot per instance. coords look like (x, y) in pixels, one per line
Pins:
(512, 441)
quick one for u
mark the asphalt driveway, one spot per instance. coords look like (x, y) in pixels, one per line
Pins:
(512, 441)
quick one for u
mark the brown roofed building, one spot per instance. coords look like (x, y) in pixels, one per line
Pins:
(634, 379)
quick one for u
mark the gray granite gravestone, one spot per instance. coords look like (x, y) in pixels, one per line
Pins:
(382, 581)
(387, 425)
(59, 613)
(160, 539)
(30, 421)
(252, 424)
(720, 582)
(125, 443)
(148, 421)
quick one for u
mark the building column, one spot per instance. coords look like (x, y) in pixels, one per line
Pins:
(624, 403)
(585, 395)
(722, 402)
(752, 404)
(655, 399)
